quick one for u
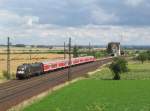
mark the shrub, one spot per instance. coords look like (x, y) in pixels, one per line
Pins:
(13, 75)
(75, 51)
(142, 57)
(6, 75)
(118, 66)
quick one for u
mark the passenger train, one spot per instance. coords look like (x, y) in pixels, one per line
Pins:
(29, 70)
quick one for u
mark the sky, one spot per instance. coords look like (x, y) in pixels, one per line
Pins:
(52, 22)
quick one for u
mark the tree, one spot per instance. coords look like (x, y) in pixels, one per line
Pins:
(148, 54)
(118, 66)
(75, 52)
(142, 57)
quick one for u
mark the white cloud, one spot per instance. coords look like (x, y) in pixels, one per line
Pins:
(96, 34)
(27, 29)
(101, 16)
(134, 3)
(8, 18)
(30, 20)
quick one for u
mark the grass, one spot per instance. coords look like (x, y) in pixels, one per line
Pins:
(137, 71)
(94, 94)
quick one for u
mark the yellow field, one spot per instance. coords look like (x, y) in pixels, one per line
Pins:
(22, 49)
(18, 59)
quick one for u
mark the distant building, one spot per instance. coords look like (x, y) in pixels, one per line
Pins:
(113, 48)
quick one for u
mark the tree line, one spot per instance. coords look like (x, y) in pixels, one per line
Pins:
(77, 52)
(143, 56)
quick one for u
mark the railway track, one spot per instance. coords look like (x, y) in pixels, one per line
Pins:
(16, 91)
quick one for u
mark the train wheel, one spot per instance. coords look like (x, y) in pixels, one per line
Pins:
(28, 76)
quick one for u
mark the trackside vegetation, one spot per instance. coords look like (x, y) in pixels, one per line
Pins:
(118, 66)
(100, 93)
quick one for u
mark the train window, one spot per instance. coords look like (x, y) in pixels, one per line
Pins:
(54, 65)
(21, 68)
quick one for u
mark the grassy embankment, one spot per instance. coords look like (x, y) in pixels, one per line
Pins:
(99, 93)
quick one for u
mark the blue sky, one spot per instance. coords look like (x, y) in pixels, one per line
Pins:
(96, 21)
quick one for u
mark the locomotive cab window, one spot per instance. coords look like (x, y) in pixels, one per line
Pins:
(21, 69)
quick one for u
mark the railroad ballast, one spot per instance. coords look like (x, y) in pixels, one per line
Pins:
(28, 70)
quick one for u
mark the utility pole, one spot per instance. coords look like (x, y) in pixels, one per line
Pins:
(30, 51)
(93, 51)
(89, 48)
(64, 50)
(69, 62)
(8, 56)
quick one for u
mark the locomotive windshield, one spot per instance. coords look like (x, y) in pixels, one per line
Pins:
(21, 68)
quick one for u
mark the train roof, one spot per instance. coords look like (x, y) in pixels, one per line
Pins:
(62, 60)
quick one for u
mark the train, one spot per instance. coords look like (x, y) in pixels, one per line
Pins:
(25, 71)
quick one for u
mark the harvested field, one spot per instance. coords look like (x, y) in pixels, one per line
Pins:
(20, 55)
(17, 59)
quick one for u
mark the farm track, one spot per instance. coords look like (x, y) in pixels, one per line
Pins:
(16, 91)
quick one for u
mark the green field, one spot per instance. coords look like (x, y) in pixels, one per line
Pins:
(137, 71)
(94, 94)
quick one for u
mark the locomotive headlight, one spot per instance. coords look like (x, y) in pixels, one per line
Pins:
(21, 72)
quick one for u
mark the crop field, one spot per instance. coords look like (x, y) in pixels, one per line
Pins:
(22, 49)
(95, 94)
(19, 56)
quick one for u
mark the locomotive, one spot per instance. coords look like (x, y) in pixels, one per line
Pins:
(29, 70)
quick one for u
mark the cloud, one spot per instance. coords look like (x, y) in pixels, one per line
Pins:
(53, 21)
(100, 16)
(77, 12)
(134, 3)
(11, 19)
(97, 35)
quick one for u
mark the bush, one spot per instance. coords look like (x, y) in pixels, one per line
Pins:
(118, 66)
(13, 76)
(6, 75)
(122, 62)
(75, 51)
(142, 57)
(148, 55)
(99, 54)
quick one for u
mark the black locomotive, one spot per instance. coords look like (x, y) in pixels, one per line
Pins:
(28, 70)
